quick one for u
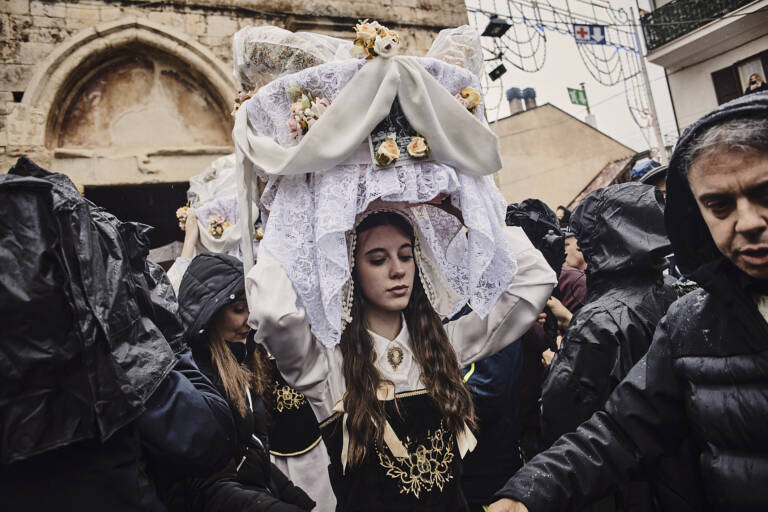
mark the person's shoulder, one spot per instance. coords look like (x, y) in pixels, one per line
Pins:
(697, 304)
(689, 316)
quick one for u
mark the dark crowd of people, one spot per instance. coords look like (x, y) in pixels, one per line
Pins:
(624, 369)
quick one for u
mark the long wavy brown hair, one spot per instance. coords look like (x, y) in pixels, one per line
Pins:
(429, 342)
(237, 378)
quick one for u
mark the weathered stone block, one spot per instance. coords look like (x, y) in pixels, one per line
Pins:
(221, 25)
(110, 12)
(14, 77)
(46, 22)
(26, 126)
(170, 18)
(56, 33)
(6, 101)
(82, 15)
(49, 9)
(194, 24)
(14, 6)
(34, 53)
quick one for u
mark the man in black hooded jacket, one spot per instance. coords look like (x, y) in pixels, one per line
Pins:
(704, 378)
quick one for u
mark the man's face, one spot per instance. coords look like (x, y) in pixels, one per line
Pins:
(731, 189)
(573, 256)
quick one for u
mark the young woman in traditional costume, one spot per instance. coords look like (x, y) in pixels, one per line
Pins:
(398, 413)
(363, 256)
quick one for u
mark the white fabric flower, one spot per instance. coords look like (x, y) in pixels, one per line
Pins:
(319, 107)
(385, 46)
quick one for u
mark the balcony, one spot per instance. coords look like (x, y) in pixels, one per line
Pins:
(680, 17)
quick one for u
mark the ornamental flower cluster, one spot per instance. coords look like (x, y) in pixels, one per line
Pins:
(387, 153)
(305, 111)
(241, 98)
(469, 98)
(217, 225)
(373, 38)
(181, 215)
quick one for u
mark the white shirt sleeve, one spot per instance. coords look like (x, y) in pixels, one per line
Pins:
(283, 327)
(474, 338)
(176, 272)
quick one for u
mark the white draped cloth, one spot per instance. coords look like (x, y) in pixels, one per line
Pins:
(318, 185)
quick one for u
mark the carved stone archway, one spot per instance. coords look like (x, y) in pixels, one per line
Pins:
(47, 103)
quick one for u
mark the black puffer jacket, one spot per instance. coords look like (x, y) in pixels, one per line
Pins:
(703, 381)
(251, 482)
(621, 233)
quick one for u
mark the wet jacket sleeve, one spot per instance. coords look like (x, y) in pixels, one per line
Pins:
(187, 426)
(475, 338)
(221, 492)
(642, 419)
(579, 380)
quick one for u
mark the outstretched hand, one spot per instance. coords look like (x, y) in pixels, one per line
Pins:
(561, 313)
(507, 505)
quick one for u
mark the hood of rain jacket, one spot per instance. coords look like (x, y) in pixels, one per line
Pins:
(621, 228)
(696, 254)
(210, 282)
(86, 320)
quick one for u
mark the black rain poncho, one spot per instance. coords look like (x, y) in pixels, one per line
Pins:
(621, 233)
(703, 381)
(83, 344)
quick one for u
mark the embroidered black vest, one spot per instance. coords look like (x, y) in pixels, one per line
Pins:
(429, 479)
(293, 426)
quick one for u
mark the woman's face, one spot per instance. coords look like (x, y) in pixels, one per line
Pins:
(231, 321)
(385, 268)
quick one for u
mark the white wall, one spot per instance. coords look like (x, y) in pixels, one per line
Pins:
(692, 89)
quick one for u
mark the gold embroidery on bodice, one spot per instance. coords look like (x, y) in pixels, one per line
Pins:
(287, 398)
(425, 467)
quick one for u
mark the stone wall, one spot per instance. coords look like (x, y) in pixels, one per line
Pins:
(57, 58)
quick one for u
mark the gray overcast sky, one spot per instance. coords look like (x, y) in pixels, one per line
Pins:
(564, 68)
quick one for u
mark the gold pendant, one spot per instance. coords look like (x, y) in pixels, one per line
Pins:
(394, 357)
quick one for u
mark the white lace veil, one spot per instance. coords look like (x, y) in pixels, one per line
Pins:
(312, 211)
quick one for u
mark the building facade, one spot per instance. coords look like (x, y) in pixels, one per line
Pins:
(121, 95)
(709, 49)
(551, 155)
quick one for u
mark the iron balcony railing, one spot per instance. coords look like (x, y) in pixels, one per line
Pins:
(677, 18)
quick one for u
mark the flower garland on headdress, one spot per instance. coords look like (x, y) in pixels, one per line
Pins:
(373, 38)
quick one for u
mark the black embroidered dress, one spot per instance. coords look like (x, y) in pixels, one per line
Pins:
(426, 474)
(429, 479)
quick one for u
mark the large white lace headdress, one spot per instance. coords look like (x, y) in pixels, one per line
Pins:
(319, 182)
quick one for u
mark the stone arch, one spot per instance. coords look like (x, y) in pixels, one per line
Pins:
(46, 106)
(89, 47)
